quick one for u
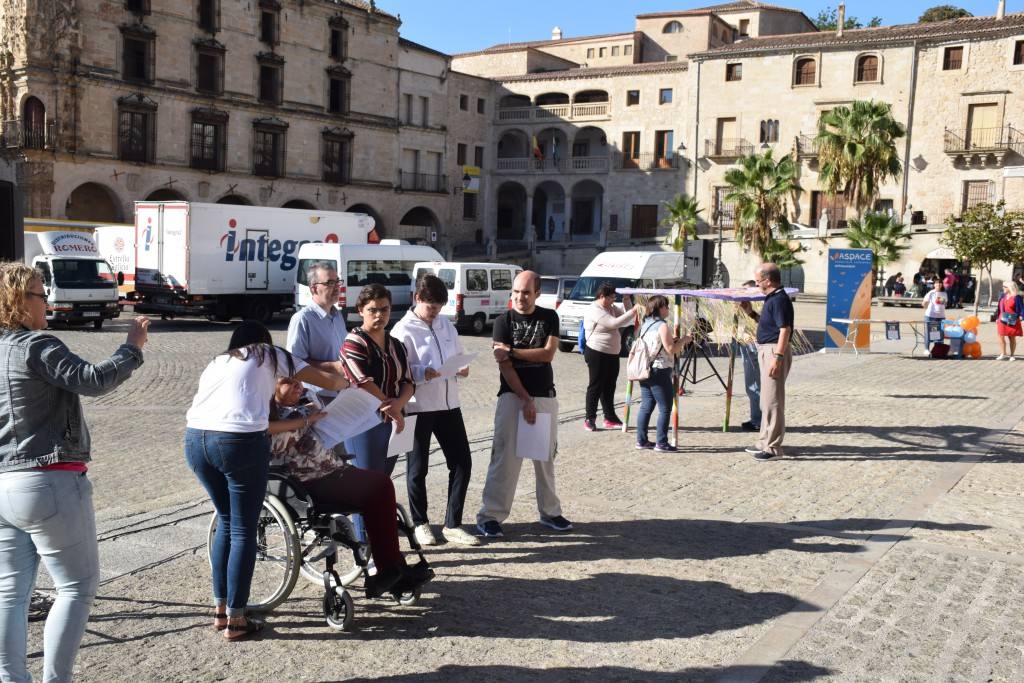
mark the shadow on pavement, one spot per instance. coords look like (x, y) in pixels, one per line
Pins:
(794, 671)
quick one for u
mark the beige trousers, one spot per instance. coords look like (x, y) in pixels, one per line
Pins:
(773, 399)
(503, 472)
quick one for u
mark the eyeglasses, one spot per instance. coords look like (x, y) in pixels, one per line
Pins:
(330, 284)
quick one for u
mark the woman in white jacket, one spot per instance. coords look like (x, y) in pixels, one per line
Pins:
(602, 324)
(430, 340)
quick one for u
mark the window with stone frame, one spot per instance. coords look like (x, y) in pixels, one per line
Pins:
(137, 6)
(270, 88)
(481, 105)
(338, 45)
(268, 154)
(208, 142)
(338, 80)
(460, 154)
(867, 69)
(478, 156)
(209, 66)
(136, 128)
(337, 156)
(805, 71)
(469, 206)
(1018, 53)
(632, 98)
(138, 53)
(952, 58)
(627, 50)
(464, 102)
(270, 22)
(665, 96)
(769, 131)
(975, 192)
(734, 72)
(208, 15)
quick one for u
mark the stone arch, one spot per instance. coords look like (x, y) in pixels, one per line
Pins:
(515, 101)
(590, 141)
(589, 96)
(587, 208)
(511, 223)
(165, 194)
(235, 199)
(94, 202)
(421, 220)
(672, 27)
(33, 122)
(378, 232)
(513, 144)
(551, 98)
(548, 218)
(299, 204)
(554, 145)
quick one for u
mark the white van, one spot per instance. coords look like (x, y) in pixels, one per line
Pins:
(477, 292)
(639, 269)
(389, 263)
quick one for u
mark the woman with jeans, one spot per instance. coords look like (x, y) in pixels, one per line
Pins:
(377, 363)
(602, 324)
(656, 333)
(45, 497)
(228, 449)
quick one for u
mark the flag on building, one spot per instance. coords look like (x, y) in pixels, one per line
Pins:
(537, 152)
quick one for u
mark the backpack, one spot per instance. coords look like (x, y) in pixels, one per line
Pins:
(638, 366)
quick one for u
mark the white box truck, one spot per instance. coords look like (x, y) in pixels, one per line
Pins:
(80, 287)
(224, 261)
(117, 245)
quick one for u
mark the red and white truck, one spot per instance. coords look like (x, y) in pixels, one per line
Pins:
(224, 261)
(117, 245)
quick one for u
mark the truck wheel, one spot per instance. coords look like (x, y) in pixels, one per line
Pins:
(97, 324)
(566, 347)
(260, 310)
(478, 324)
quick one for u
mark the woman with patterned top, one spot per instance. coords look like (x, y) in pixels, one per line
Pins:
(377, 363)
(337, 486)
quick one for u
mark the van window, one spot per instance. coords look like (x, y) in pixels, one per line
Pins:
(567, 288)
(586, 288)
(476, 280)
(501, 279)
(306, 263)
(548, 286)
(447, 276)
(380, 272)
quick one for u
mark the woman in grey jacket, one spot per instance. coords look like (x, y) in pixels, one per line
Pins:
(45, 498)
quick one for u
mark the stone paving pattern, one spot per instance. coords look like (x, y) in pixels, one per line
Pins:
(889, 545)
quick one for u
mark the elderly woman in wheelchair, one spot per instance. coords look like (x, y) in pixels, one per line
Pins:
(309, 495)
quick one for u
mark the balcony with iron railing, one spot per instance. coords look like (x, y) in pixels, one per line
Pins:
(727, 148)
(983, 143)
(806, 146)
(595, 164)
(423, 182)
(19, 134)
(580, 111)
(647, 161)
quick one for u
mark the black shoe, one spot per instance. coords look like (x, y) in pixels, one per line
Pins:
(490, 529)
(383, 581)
(765, 456)
(412, 578)
(558, 523)
(749, 426)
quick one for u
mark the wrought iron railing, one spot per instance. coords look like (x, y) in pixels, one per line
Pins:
(424, 182)
(20, 134)
(806, 145)
(1004, 138)
(727, 148)
(647, 161)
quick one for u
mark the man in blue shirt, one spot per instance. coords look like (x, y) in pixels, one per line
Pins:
(317, 331)
(774, 332)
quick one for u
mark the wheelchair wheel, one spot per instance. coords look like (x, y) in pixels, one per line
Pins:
(277, 556)
(338, 609)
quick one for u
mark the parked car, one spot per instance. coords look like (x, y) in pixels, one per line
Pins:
(554, 289)
(477, 292)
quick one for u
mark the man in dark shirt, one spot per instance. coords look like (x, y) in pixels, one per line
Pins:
(525, 343)
(774, 331)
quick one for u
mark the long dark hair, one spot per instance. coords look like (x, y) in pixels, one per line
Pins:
(251, 339)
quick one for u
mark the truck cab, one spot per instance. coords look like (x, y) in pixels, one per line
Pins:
(80, 286)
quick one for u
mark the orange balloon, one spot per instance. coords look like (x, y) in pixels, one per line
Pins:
(970, 323)
(972, 350)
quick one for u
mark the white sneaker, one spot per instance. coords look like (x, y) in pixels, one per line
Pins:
(1000, 357)
(424, 536)
(459, 537)
(1013, 357)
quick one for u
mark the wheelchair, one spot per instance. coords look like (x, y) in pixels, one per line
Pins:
(293, 536)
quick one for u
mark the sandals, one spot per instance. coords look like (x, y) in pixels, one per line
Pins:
(220, 621)
(241, 631)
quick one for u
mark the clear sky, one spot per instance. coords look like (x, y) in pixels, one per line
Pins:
(465, 25)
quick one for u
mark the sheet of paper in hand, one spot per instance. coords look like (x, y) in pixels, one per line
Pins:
(533, 441)
(402, 443)
(352, 412)
(456, 363)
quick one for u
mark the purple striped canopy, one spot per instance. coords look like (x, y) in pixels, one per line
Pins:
(723, 294)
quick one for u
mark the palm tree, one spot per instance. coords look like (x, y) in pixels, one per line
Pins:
(782, 254)
(759, 188)
(857, 151)
(681, 215)
(882, 234)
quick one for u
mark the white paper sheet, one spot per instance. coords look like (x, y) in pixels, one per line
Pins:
(402, 443)
(533, 441)
(352, 412)
(456, 363)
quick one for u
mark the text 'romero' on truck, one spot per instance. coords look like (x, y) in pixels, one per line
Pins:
(226, 261)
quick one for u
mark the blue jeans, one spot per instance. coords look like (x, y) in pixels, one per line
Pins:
(369, 451)
(752, 381)
(233, 468)
(46, 514)
(657, 388)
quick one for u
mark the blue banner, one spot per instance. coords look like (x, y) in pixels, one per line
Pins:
(849, 296)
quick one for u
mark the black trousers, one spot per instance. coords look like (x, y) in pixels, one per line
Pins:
(449, 429)
(604, 373)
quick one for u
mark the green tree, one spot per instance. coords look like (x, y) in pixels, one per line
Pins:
(782, 253)
(857, 151)
(882, 234)
(984, 234)
(759, 189)
(681, 215)
(828, 20)
(943, 13)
